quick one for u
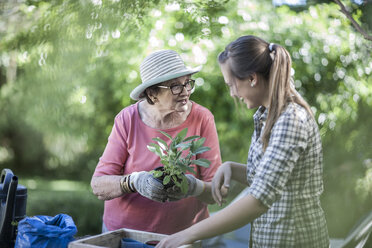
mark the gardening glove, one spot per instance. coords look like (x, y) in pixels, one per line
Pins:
(145, 184)
(196, 187)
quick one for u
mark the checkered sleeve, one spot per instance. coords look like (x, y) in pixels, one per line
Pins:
(288, 140)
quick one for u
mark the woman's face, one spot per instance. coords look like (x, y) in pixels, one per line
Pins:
(168, 101)
(253, 97)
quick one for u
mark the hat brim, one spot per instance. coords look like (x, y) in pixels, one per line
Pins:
(144, 85)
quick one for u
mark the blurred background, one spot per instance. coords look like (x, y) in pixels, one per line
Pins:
(67, 68)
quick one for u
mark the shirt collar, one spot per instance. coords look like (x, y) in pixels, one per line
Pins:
(261, 114)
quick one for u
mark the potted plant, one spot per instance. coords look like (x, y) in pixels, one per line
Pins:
(177, 158)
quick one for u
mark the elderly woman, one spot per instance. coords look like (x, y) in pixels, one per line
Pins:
(133, 198)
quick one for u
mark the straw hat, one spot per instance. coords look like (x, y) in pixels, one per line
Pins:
(161, 66)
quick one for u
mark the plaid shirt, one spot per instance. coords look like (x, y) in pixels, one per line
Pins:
(287, 178)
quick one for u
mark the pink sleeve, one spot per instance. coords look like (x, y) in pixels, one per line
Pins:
(210, 133)
(113, 158)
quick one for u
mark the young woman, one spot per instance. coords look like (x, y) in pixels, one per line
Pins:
(284, 167)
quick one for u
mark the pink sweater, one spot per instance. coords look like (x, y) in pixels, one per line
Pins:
(126, 152)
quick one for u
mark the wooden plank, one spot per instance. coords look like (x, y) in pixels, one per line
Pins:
(113, 239)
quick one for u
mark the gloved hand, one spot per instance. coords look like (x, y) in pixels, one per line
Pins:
(145, 184)
(196, 187)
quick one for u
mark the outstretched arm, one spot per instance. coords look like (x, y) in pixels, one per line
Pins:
(230, 218)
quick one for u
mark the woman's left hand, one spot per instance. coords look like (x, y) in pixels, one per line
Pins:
(174, 240)
(195, 188)
(221, 183)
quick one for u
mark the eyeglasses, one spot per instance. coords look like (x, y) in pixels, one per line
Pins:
(178, 88)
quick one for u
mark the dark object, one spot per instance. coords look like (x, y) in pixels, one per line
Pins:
(131, 243)
(160, 179)
(152, 242)
(13, 198)
(45, 231)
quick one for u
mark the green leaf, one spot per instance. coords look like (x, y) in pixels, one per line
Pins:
(191, 169)
(183, 146)
(191, 138)
(184, 185)
(181, 162)
(204, 160)
(178, 184)
(192, 148)
(174, 178)
(178, 172)
(166, 179)
(189, 156)
(201, 150)
(166, 135)
(152, 147)
(178, 155)
(183, 167)
(173, 144)
(155, 148)
(157, 174)
(181, 135)
(164, 162)
(199, 142)
(201, 162)
(163, 145)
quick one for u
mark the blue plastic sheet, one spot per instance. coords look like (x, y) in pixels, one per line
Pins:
(131, 243)
(45, 231)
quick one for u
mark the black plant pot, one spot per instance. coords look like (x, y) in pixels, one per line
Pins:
(160, 179)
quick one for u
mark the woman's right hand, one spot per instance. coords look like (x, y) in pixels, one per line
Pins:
(146, 185)
(221, 183)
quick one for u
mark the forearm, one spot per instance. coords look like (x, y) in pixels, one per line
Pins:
(106, 187)
(206, 196)
(239, 172)
(230, 218)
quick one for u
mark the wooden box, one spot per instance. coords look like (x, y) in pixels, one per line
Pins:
(113, 239)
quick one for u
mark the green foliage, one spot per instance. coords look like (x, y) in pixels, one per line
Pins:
(364, 185)
(177, 157)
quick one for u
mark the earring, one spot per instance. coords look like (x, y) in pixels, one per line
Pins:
(252, 83)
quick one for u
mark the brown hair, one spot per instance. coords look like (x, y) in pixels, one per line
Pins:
(248, 55)
(152, 90)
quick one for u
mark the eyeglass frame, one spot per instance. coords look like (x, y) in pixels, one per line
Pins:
(189, 81)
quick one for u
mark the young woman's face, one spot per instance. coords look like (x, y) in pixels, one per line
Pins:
(252, 96)
(168, 101)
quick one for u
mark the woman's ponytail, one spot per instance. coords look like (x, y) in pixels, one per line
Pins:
(281, 89)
